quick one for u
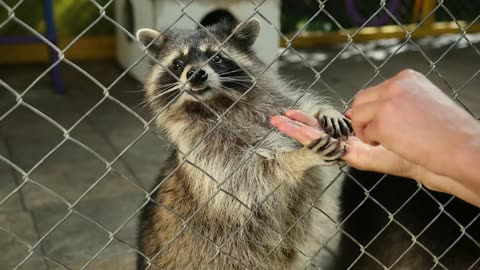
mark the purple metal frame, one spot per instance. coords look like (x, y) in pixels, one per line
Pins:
(356, 17)
(51, 35)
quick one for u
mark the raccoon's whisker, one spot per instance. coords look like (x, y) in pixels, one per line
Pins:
(228, 72)
(236, 78)
(233, 76)
(246, 81)
(133, 91)
(146, 102)
(159, 95)
(141, 105)
(247, 86)
(166, 92)
(240, 81)
(165, 85)
(241, 100)
(169, 85)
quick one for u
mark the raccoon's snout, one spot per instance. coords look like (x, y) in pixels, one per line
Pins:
(197, 77)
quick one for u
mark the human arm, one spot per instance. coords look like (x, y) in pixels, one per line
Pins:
(360, 155)
(411, 129)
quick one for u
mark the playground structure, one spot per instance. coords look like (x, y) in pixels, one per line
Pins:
(384, 24)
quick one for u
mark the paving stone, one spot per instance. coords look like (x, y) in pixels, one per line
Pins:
(123, 261)
(147, 158)
(7, 185)
(24, 122)
(84, 238)
(29, 137)
(71, 185)
(69, 171)
(14, 245)
(88, 236)
(3, 153)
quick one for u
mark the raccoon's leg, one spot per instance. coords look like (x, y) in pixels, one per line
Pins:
(329, 149)
(333, 122)
(324, 151)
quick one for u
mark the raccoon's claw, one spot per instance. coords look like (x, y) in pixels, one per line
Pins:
(329, 148)
(337, 126)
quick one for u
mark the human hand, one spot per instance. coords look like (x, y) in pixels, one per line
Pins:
(411, 117)
(360, 155)
(305, 129)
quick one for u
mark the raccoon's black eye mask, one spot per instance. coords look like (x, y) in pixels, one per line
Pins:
(216, 59)
(244, 35)
(178, 65)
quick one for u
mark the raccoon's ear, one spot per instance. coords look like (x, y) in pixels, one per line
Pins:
(147, 36)
(247, 32)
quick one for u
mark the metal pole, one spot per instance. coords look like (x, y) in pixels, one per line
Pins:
(52, 37)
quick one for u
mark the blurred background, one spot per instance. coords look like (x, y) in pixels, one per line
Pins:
(78, 153)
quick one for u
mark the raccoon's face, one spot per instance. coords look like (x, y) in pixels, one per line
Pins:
(194, 73)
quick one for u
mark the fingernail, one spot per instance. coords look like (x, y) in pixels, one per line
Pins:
(289, 112)
(274, 119)
(348, 113)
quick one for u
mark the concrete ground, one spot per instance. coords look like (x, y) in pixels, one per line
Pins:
(81, 200)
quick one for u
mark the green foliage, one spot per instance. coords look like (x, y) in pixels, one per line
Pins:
(71, 18)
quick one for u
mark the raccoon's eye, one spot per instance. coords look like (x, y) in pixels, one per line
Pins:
(217, 59)
(178, 65)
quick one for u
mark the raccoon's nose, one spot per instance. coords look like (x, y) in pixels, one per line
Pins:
(199, 77)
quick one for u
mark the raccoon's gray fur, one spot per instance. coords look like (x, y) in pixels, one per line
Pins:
(230, 206)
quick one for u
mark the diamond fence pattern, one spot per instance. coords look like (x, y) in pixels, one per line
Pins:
(26, 175)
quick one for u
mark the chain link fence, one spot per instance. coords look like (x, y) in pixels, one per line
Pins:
(34, 249)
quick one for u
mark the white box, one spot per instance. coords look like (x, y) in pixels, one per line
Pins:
(160, 14)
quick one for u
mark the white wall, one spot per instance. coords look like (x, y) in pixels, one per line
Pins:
(165, 13)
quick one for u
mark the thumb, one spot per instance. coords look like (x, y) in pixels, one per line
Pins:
(363, 156)
(359, 155)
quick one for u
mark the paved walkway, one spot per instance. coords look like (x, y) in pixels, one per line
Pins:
(59, 191)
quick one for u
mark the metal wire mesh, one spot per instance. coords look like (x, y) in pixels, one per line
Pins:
(34, 248)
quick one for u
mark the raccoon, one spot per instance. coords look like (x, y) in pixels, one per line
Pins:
(236, 194)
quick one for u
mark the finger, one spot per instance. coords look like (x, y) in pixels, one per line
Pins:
(370, 94)
(302, 117)
(280, 119)
(363, 116)
(375, 158)
(306, 135)
(371, 133)
(366, 96)
(348, 114)
(298, 131)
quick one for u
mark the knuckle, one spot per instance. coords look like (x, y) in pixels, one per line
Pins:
(397, 86)
(406, 74)
(432, 186)
(359, 97)
(387, 108)
(395, 89)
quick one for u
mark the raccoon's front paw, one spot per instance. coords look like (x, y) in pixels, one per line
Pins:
(329, 149)
(335, 124)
